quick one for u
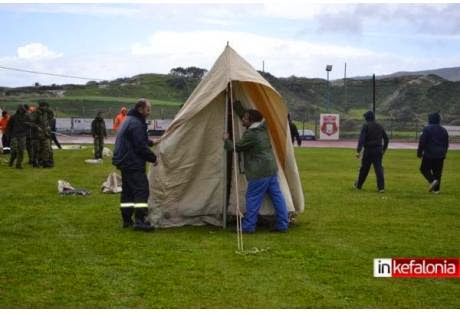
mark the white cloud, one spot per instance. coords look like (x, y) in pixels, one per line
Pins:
(283, 57)
(79, 9)
(36, 51)
(165, 50)
(301, 10)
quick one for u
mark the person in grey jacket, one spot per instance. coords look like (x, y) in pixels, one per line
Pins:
(432, 149)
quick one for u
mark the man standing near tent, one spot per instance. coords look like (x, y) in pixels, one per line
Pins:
(99, 132)
(130, 155)
(371, 137)
(260, 169)
(432, 148)
(119, 118)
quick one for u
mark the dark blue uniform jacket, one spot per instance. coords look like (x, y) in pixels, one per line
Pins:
(434, 140)
(131, 146)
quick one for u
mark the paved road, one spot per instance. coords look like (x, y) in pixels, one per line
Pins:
(344, 144)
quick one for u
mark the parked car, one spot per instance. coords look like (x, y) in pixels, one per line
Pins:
(307, 135)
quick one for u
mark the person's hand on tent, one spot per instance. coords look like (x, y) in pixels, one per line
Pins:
(153, 142)
(226, 136)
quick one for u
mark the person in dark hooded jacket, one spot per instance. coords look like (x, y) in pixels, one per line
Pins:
(130, 156)
(374, 140)
(294, 132)
(432, 148)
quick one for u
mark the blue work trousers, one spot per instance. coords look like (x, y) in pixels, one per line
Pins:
(254, 198)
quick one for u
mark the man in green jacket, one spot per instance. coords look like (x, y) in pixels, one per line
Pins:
(260, 169)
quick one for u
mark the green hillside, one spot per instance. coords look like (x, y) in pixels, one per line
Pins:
(401, 99)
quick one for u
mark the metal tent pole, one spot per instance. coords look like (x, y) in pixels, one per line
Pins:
(224, 194)
(239, 231)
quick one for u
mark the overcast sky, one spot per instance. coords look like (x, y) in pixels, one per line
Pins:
(106, 41)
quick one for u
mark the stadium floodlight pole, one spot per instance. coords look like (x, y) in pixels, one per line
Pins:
(328, 99)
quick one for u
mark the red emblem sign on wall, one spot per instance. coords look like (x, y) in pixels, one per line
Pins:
(329, 125)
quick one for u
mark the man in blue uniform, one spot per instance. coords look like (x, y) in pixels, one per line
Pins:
(130, 156)
(432, 148)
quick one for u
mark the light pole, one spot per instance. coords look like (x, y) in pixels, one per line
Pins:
(328, 99)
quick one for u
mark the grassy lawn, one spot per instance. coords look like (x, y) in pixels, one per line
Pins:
(70, 251)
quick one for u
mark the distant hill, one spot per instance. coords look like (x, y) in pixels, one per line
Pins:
(403, 98)
(450, 74)
(407, 98)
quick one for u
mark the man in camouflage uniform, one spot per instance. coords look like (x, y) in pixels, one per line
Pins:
(41, 136)
(17, 128)
(29, 131)
(99, 132)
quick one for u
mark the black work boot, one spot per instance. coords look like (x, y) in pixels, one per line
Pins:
(140, 224)
(126, 214)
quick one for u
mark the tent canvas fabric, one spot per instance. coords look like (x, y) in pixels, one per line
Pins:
(189, 184)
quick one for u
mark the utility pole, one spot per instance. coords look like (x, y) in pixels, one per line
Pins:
(373, 93)
(345, 85)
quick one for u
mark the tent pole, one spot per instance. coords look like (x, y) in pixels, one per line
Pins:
(224, 194)
(239, 231)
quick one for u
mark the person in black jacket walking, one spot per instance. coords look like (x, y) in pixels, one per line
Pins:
(130, 155)
(294, 132)
(432, 148)
(371, 137)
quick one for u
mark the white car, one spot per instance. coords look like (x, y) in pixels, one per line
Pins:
(307, 135)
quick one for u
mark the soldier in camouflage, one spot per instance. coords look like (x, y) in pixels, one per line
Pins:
(41, 136)
(17, 128)
(99, 132)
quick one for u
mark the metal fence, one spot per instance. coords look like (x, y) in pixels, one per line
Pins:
(408, 130)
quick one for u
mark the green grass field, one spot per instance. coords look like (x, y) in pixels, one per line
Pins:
(70, 251)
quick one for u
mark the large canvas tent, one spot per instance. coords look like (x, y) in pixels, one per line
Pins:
(190, 184)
